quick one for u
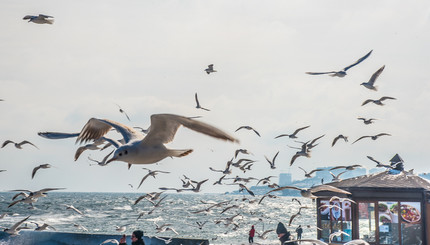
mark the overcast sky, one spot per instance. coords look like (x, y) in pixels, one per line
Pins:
(149, 57)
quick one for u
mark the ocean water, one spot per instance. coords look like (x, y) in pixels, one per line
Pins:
(104, 211)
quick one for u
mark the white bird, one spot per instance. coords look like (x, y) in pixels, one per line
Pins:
(263, 236)
(3, 215)
(110, 241)
(123, 112)
(71, 207)
(336, 178)
(293, 135)
(121, 228)
(39, 19)
(341, 199)
(341, 73)
(210, 69)
(243, 151)
(366, 121)
(373, 137)
(340, 136)
(304, 152)
(103, 162)
(166, 241)
(80, 227)
(42, 227)
(372, 80)
(198, 106)
(337, 233)
(308, 175)
(15, 229)
(41, 166)
(140, 149)
(248, 128)
(378, 101)
(272, 163)
(151, 173)
(308, 192)
(18, 145)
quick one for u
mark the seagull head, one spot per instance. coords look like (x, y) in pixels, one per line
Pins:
(125, 153)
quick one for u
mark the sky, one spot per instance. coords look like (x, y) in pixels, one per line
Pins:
(149, 57)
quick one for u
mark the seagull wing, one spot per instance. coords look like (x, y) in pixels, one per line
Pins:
(34, 171)
(387, 97)
(320, 73)
(358, 61)
(27, 17)
(57, 135)
(328, 188)
(97, 128)
(16, 225)
(7, 142)
(164, 126)
(367, 101)
(376, 75)
(297, 130)
(362, 137)
(283, 188)
(143, 179)
(28, 142)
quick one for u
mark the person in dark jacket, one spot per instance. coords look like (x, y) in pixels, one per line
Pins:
(283, 234)
(299, 231)
(136, 238)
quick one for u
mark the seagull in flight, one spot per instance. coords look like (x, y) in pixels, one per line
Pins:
(249, 128)
(14, 230)
(198, 106)
(293, 135)
(341, 73)
(39, 19)
(373, 137)
(71, 207)
(369, 84)
(350, 167)
(366, 121)
(378, 101)
(18, 145)
(340, 136)
(272, 163)
(123, 112)
(379, 164)
(309, 175)
(308, 192)
(151, 173)
(41, 166)
(140, 149)
(210, 69)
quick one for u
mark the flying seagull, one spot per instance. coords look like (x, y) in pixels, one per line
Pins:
(308, 192)
(248, 128)
(340, 136)
(293, 135)
(210, 69)
(151, 173)
(41, 166)
(378, 101)
(198, 103)
(372, 80)
(14, 230)
(141, 149)
(123, 112)
(373, 137)
(309, 175)
(18, 145)
(39, 19)
(366, 121)
(341, 73)
(272, 163)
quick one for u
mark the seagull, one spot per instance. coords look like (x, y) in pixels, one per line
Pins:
(337, 233)
(165, 240)
(2, 170)
(210, 69)
(140, 149)
(151, 173)
(308, 192)
(39, 19)
(263, 236)
(123, 112)
(218, 182)
(243, 187)
(14, 230)
(18, 145)
(372, 80)
(3, 215)
(311, 145)
(80, 227)
(71, 207)
(41, 166)
(350, 167)
(340, 199)
(249, 128)
(293, 135)
(379, 101)
(198, 104)
(103, 162)
(42, 227)
(198, 185)
(341, 73)
(373, 137)
(302, 153)
(227, 169)
(336, 178)
(340, 136)
(366, 121)
(295, 215)
(121, 228)
(265, 180)
(243, 151)
(272, 163)
(110, 241)
(308, 175)
(379, 164)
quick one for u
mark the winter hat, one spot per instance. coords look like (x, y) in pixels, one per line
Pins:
(281, 228)
(138, 234)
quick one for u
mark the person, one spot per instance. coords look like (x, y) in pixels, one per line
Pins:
(136, 238)
(283, 234)
(251, 235)
(299, 231)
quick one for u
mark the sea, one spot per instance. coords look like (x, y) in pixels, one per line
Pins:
(103, 212)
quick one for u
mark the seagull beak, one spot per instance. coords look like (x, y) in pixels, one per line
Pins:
(111, 160)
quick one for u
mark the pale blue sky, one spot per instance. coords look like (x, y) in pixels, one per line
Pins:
(149, 57)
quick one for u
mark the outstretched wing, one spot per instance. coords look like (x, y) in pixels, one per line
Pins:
(376, 75)
(358, 61)
(320, 73)
(97, 128)
(164, 126)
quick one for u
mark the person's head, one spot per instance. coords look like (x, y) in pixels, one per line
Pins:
(252, 227)
(300, 226)
(136, 235)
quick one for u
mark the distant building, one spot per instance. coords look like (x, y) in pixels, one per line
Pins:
(284, 179)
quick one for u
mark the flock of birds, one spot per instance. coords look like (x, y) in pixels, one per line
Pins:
(147, 146)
